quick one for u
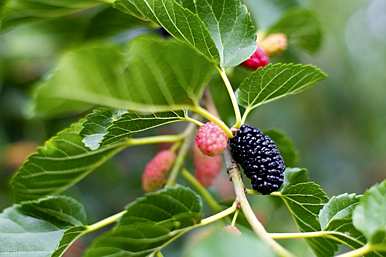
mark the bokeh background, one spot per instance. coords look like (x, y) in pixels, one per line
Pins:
(339, 127)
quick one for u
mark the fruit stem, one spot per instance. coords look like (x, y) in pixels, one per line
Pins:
(232, 96)
(257, 227)
(358, 252)
(204, 113)
(280, 236)
(184, 148)
(213, 204)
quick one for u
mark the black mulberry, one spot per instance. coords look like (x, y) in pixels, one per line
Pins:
(259, 157)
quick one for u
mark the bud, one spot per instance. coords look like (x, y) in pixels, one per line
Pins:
(274, 44)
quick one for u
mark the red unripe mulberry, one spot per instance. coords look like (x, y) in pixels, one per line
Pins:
(156, 170)
(211, 139)
(257, 60)
(206, 168)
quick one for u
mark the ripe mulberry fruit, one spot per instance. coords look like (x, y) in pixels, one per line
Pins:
(207, 168)
(156, 170)
(211, 139)
(259, 157)
(274, 44)
(258, 59)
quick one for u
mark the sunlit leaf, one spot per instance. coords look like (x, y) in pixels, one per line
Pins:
(44, 228)
(222, 30)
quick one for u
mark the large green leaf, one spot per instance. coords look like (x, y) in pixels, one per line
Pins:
(106, 126)
(219, 242)
(286, 146)
(152, 75)
(369, 216)
(60, 163)
(19, 11)
(304, 199)
(44, 228)
(302, 28)
(221, 30)
(276, 81)
(149, 223)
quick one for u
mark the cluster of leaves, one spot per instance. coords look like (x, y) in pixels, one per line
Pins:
(147, 83)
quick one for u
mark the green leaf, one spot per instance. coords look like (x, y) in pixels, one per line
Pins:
(41, 228)
(276, 81)
(149, 223)
(219, 242)
(21, 11)
(369, 216)
(106, 126)
(286, 147)
(222, 30)
(302, 28)
(109, 22)
(152, 75)
(59, 164)
(304, 199)
(336, 215)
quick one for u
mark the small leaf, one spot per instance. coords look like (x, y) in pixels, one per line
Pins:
(60, 163)
(304, 199)
(276, 81)
(221, 30)
(336, 215)
(110, 126)
(43, 228)
(218, 242)
(286, 147)
(149, 223)
(21, 11)
(369, 216)
(302, 28)
(153, 75)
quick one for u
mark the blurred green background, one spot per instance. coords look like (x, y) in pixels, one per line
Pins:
(338, 127)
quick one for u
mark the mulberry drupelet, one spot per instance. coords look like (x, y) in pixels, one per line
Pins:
(259, 157)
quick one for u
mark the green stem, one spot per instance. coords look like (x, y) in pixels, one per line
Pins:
(232, 96)
(257, 227)
(251, 191)
(219, 216)
(159, 254)
(358, 252)
(107, 1)
(301, 235)
(213, 204)
(155, 140)
(184, 148)
(103, 223)
(204, 113)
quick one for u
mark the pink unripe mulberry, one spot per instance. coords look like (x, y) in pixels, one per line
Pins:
(257, 60)
(156, 170)
(206, 168)
(211, 139)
